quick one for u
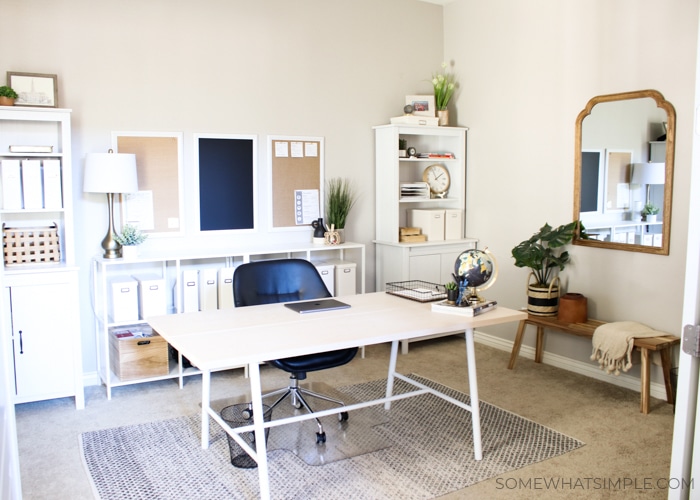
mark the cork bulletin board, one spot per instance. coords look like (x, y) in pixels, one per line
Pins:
(157, 207)
(296, 163)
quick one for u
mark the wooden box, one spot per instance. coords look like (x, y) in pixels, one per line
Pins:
(135, 357)
(31, 245)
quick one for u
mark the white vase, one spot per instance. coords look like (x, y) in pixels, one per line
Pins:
(130, 251)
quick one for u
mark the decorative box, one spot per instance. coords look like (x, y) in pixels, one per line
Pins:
(136, 352)
(31, 245)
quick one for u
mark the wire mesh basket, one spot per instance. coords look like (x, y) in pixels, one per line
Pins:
(420, 291)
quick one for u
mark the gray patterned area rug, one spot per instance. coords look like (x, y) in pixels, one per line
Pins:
(429, 454)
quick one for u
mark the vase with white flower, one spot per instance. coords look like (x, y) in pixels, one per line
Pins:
(444, 84)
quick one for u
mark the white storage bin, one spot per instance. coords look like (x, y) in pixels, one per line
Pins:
(190, 290)
(225, 285)
(453, 224)
(431, 222)
(208, 289)
(152, 299)
(327, 272)
(125, 302)
(344, 277)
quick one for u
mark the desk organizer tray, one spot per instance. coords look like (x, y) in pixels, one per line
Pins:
(420, 291)
(31, 245)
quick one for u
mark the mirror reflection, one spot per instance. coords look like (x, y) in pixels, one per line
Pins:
(624, 171)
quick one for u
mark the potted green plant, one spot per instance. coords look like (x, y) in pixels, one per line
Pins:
(543, 253)
(403, 144)
(650, 211)
(130, 237)
(452, 291)
(444, 85)
(7, 96)
(340, 198)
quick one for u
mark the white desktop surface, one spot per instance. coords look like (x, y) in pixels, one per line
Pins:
(215, 340)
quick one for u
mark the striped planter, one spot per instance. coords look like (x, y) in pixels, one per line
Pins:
(543, 301)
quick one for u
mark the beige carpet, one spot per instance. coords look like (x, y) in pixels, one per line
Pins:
(429, 452)
(603, 416)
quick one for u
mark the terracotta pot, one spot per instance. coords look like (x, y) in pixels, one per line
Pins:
(573, 308)
(6, 101)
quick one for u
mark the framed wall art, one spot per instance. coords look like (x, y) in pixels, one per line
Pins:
(423, 105)
(34, 89)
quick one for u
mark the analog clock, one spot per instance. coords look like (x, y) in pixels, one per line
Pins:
(438, 179)
(411, 152)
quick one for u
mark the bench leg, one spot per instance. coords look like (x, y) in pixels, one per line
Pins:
(516, 344)
(539, 345)
(666, 367)
(645, 381)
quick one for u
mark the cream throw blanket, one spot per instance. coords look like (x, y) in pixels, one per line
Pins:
(613, 344)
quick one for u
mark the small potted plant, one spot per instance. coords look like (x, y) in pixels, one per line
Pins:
(7, 96)
(403, 144)
(340, 198)
(452, 292)
(650, 211)
(130, 237)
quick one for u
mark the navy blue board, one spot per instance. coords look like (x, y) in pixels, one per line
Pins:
(226, 194)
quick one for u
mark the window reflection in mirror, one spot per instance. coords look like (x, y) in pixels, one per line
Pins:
(624, 163)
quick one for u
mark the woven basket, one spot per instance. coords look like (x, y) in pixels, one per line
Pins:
(31, 245)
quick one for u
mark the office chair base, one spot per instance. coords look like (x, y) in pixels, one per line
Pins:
(297, 399)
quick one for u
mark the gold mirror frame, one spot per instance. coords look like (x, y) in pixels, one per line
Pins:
(668, 185)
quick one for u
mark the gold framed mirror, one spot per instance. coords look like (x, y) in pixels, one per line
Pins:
(625, 147)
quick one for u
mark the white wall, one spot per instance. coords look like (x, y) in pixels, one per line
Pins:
(332, 69)
(526, 71)
(270, 67)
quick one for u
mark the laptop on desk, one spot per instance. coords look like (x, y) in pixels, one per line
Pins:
(320, 305)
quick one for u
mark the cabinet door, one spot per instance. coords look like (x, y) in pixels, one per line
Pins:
(425, 268)
(43, 349)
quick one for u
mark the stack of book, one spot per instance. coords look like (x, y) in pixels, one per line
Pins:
(450, 308)
(445, 156)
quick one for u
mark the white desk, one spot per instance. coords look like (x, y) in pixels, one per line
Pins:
(215, 340)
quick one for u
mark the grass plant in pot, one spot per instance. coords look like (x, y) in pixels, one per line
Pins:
(650, 211)
(130, 239)
(7, 96)
(544, 255)
(340, 198)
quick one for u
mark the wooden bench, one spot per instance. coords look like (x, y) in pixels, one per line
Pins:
(662, 344)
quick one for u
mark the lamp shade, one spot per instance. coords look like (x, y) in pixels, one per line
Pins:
(648, 173)
(110, 173)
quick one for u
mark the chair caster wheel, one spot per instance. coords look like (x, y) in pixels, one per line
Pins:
(343, 416)
(320, 437)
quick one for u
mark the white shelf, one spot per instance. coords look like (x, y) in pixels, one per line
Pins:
(169, 265)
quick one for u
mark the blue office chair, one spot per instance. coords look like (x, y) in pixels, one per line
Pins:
(288, 280)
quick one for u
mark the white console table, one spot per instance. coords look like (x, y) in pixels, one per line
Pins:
(170, 265)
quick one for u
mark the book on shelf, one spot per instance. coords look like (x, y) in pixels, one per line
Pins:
(446, 156)
(31, 149)
(444, 307)
(415, 120)
(415, 190)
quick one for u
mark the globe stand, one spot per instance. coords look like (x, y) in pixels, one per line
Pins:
(475, 271)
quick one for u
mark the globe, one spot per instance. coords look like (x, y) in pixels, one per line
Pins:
(475, 270)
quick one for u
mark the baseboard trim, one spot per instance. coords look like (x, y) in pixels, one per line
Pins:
(656, 390)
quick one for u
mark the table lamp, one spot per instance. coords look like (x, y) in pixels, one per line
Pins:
(648, 174)
(110, 173)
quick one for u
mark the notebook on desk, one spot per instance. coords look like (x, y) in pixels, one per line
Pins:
(313, 306)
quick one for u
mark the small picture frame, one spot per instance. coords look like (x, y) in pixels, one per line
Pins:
(34, 89)
(423, 105)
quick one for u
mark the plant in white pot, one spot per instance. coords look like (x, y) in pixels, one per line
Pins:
(130, 238)
(543, 253)
(650, 211)
(340, 198)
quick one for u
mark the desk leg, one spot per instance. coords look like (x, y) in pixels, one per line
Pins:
(516, 344)
(392, 371)
(206, 398)
(473, 393)
(258, 424)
